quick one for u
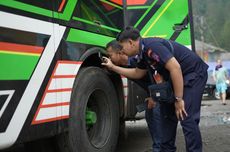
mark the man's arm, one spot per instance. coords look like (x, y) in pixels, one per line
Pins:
(176, 76)
(131, 73)
(178, 85)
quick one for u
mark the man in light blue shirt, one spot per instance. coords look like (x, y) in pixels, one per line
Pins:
(220, 77)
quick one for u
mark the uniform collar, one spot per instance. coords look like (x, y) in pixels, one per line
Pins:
(141, 45)
(141, 48)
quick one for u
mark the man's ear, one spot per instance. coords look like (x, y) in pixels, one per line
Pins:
(130, 41)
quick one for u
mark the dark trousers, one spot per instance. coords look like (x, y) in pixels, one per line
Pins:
(154, 124)
(190, 125)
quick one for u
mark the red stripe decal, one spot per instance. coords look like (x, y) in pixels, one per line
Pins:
(55, 105)
(136, 2)
(123, 76)
(12, 47)
(59, 90)
(70, 62)
(63, 76)
(130, 2)
(46, 90)
(119, 2)
(34, 121)
(61, 6)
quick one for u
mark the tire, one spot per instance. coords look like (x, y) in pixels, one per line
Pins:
(123, 133)
(94, 91)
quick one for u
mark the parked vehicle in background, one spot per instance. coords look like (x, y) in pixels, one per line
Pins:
(210, 87)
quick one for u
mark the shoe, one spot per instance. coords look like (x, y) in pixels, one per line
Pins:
(224, 103)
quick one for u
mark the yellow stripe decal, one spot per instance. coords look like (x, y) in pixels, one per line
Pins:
(17, 53)
(161, 36)
(158, 17)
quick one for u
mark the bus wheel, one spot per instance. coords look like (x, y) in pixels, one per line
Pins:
(94, 113)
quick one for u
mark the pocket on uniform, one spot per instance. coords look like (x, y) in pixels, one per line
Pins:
(190, 79)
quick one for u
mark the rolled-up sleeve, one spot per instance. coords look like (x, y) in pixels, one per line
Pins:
(163, 53)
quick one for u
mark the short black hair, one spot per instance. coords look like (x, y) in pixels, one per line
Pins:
(128, 33)
(114, 44)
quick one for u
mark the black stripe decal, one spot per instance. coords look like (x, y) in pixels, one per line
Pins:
(177, 32)
(150, 14)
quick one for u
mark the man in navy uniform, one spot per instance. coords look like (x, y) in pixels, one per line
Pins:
(152, 113)
(188, 74)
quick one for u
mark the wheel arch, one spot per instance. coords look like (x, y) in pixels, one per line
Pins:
(91, 58)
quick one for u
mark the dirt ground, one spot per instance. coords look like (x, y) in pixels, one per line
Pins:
(215, 127)
(215, 130)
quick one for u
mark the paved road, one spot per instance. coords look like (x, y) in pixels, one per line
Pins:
(215, 130)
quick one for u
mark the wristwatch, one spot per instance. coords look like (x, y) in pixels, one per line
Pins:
(178, 98)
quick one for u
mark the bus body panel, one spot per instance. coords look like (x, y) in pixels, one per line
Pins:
(43, 45)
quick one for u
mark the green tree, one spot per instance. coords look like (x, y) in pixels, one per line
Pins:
(215, 26)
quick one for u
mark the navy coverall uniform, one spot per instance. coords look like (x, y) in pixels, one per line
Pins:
(157, 52)
(152, 115)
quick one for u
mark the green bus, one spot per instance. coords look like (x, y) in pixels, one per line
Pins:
(52, 83)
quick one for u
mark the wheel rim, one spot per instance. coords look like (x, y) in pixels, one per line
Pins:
(98, 118)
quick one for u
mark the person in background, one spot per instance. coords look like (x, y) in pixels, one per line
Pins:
(220, 76)
(152, 113)
(188, 74)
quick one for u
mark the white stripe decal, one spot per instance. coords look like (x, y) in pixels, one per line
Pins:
(56, 97)
(58, 92)
(61, 83)
(125, 81)
(10, 94)
(25, 23)
(53, 112)
(12, 21)
(189, 46)
(125, 89)
(67, 69)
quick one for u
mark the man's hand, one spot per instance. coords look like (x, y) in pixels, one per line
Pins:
(108, 63)
(180, 110)
(151, 103)
(131, 73)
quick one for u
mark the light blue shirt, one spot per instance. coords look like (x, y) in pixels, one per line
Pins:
(221, 75)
